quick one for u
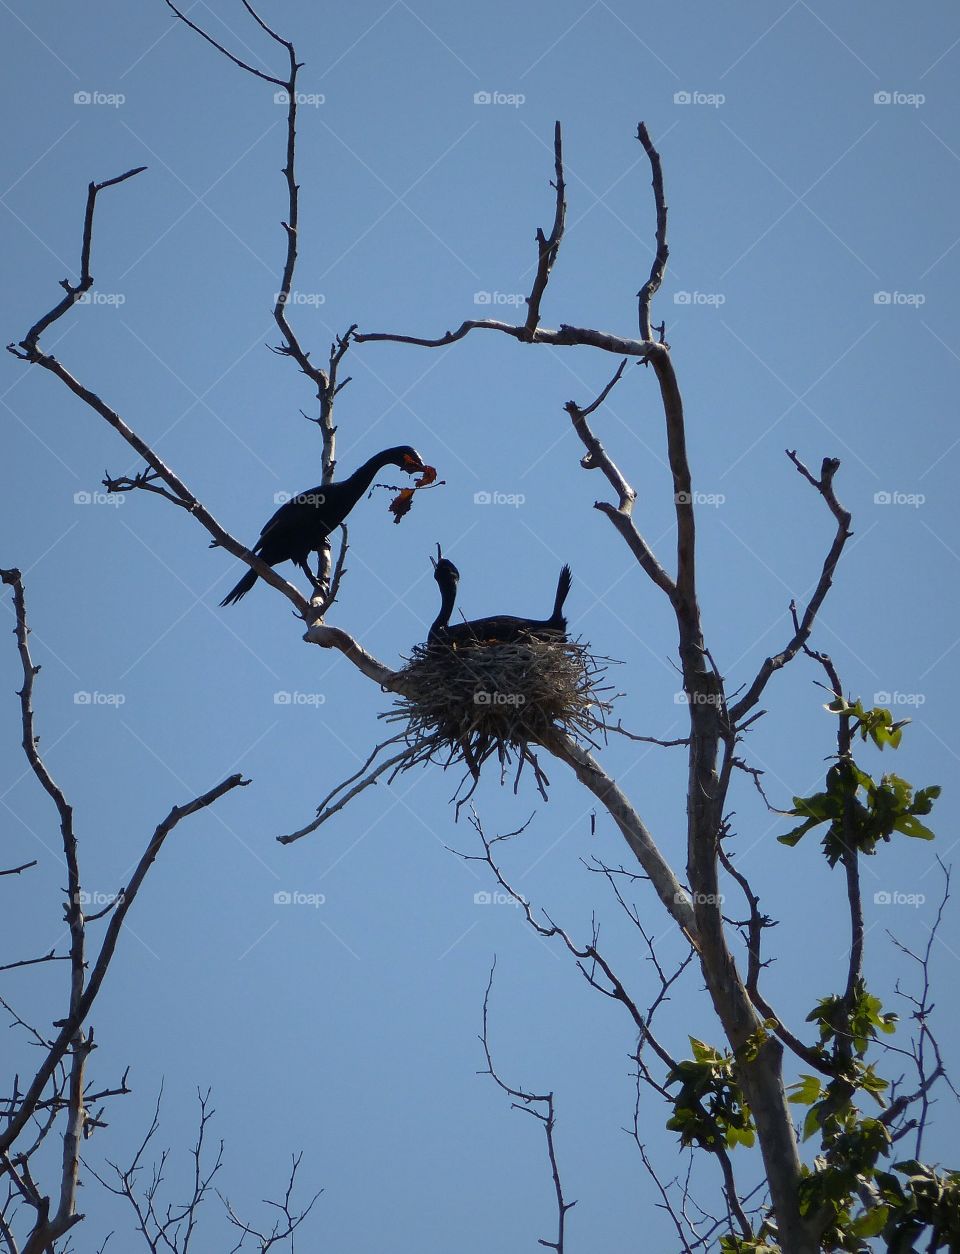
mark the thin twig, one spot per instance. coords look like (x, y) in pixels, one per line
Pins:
(547, 1117)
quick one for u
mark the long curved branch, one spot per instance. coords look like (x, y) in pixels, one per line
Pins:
(804, 626)
(634, 830)
(267, 78)
(565, 336)
(366, 663)
(29, 350)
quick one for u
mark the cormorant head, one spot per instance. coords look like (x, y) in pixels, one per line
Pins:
(444, 570)
(407, 459)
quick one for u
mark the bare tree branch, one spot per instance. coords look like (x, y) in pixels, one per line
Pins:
(757, 922)
(802, 630)
(29, 350)
(589, 958)
(530, 1102)
(621, 515)
(268, 78)
(32, 962)
(334, 638)
(668, 888)
(283, 1228)
(24, 866)
(922, 1010)
(548, 248)
(652, 285)
(83, 989)
(565, 336)
(325, 381)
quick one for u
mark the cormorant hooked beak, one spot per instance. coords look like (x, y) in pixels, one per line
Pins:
(412, 464)
(438, 558)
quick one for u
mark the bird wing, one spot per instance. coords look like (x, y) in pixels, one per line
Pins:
(288, 510)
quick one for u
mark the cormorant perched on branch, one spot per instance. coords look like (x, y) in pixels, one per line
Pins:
(498, 628)
(301, 525)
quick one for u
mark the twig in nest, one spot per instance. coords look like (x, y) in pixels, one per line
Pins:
(463, 705)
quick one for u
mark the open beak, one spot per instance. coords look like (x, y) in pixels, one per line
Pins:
(434, 560)
(412, 465)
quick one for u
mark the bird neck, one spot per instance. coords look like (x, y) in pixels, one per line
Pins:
(356, 484)
(448, 597)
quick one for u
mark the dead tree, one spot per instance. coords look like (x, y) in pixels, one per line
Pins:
(736, 1093)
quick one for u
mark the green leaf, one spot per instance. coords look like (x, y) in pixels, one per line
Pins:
(911, 826)
(704, 1053)
(910, 1167)
(806, 1091)
(821, 806)
(923, 802)
(739, 1136)
(794, 837)
(872, 1223)
(811, 1123)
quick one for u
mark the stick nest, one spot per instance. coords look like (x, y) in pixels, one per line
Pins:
(465, 704)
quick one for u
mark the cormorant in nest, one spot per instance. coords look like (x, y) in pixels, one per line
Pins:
(497, 628)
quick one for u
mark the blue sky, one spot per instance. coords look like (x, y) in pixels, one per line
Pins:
(812, 174)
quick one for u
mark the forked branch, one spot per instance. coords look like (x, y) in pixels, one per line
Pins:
(804, 625)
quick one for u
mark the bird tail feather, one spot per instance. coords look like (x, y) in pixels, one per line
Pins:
(241, 589)
(563, 590)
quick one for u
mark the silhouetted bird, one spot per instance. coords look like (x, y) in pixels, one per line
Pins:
(301, 525)
(498, 628)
